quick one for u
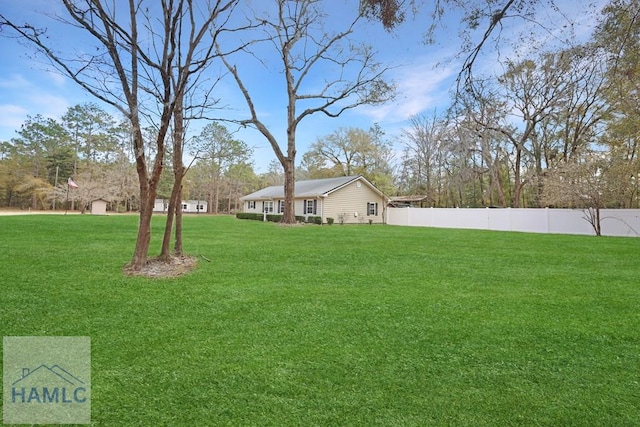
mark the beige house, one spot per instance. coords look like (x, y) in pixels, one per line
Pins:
(346, 199)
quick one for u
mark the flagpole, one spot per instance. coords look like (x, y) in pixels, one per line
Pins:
(70, 184)
(55, 185)
(66, 203)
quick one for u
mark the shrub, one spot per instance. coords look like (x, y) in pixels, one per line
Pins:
(274, 218)
(278, 217)
(314, 220)
(249, 215)
(329, 220)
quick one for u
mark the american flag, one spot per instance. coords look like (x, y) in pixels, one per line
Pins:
(71, 184)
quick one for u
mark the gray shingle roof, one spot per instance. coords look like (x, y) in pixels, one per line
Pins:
(306, 188)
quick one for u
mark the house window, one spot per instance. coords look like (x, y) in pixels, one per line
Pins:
(372, 209)
(310, 206)
(200, 207)
(251, 204)
(184, 206)
(280, 206)
(268, 207)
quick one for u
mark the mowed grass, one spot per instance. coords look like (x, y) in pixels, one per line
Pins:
(336, 325)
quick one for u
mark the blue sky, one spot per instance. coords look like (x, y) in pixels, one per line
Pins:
(424, 75)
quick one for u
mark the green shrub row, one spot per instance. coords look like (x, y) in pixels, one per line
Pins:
(278, 218)
(247, 215)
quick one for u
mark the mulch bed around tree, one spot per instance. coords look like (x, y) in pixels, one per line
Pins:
(157, 268)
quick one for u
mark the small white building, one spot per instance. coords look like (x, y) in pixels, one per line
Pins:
(188, 206)
(99, 207)
(194, 206)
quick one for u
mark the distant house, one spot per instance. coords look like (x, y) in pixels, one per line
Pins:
(188, 206)
(347, 199)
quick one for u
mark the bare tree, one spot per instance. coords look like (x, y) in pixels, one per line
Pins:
(307, 51)
(426, 142)
(596, 182)
(530, 93)
(478, 117)
(193, 36)
(349, 151)
(141, 64)
(618, 34)
(548, 109)
(217, 151)
(483, 22)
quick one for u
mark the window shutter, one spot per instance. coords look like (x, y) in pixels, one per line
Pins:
(368, 207)
(376, 209)
(304, 207)
(315, 206)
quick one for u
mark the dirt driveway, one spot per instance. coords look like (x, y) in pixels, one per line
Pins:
(5, 212)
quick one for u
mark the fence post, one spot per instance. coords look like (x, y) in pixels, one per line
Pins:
(547, 219)
(488, 211)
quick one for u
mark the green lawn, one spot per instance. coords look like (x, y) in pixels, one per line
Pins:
(336, 325)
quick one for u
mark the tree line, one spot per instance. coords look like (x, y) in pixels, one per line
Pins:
(558, 128)
(94, 149)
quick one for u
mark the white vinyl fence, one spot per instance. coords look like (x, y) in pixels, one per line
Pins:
(615, 222)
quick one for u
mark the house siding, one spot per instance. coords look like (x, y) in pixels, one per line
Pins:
(351, 202)
(299, 206)
(259, 206)
(347, 204)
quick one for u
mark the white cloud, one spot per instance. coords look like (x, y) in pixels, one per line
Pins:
(12, 115)
(48, 105)
(14, 81)
(420, 87)
(56, 78)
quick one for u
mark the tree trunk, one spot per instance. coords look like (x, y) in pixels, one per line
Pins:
(515, 199)
(216, 196)
(148, 191)
(177, 247)
(144, 232)
(289, 216)
(179, 172)
(176, 191)
(289, 162)
(174, 206)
